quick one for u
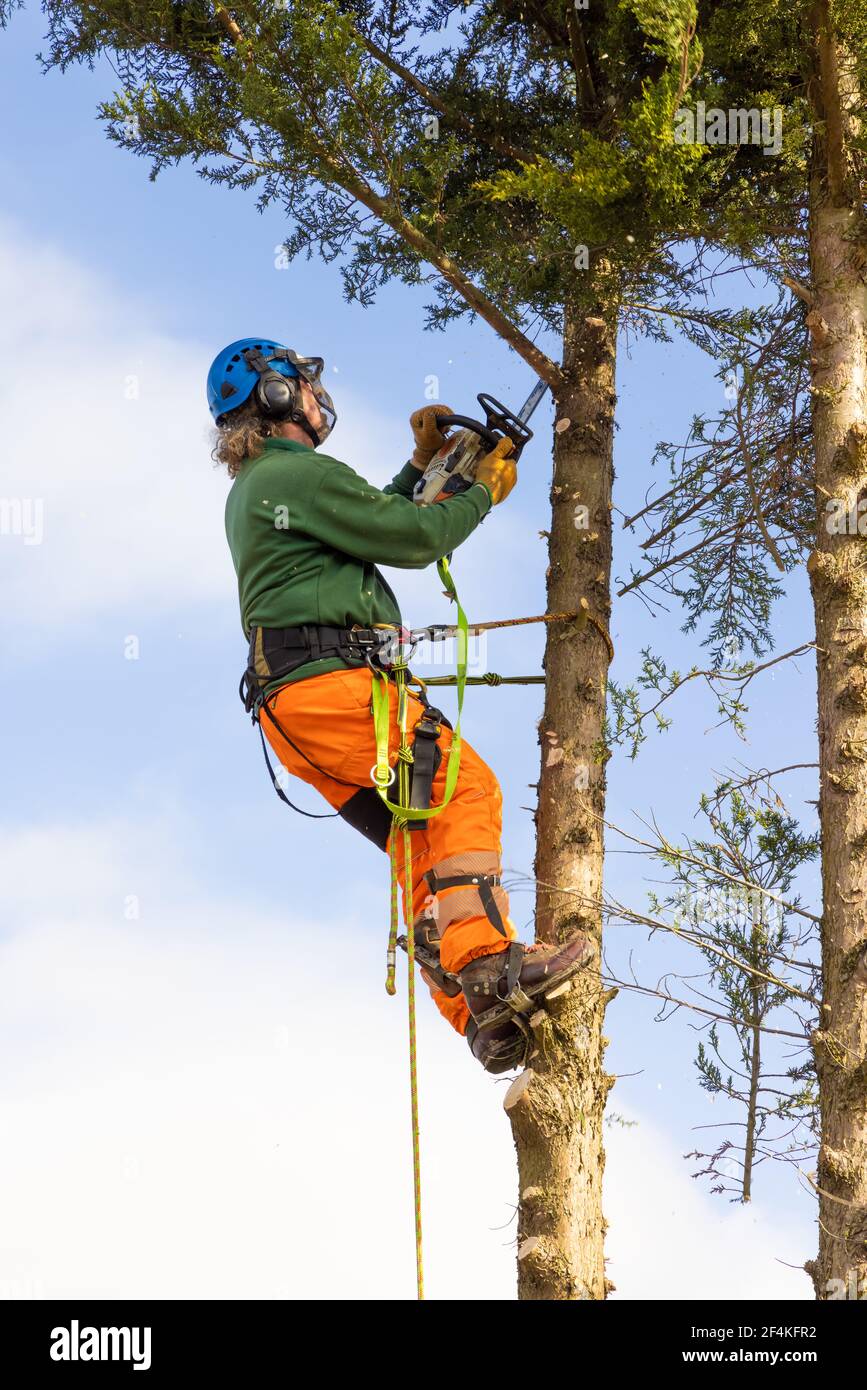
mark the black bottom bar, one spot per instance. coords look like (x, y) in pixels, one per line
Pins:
(214, 1340)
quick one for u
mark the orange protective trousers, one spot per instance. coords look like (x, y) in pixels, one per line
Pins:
(329, 719)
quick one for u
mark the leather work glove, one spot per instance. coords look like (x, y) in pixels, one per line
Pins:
(427, 434)
(498, 471)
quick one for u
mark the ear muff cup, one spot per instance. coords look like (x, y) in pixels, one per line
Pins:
(276, 395)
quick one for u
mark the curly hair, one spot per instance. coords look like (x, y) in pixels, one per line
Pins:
(240, 436)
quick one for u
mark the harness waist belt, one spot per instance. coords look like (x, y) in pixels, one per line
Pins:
(276, 652)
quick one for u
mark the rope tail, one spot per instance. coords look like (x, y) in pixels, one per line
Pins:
(384, 777)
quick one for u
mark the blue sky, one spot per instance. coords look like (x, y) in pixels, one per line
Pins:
(170, 931)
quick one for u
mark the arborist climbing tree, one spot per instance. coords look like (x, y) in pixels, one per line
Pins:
(306, 535)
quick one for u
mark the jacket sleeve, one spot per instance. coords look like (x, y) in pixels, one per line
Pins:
(404, 481)
(387, 528)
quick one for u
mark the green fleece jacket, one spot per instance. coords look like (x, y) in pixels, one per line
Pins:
(306, 534)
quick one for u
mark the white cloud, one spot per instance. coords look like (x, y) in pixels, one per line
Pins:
(204, 1103)
(103, 427)
(670, 1239)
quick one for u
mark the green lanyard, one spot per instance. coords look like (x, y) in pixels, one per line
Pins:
(382, 773)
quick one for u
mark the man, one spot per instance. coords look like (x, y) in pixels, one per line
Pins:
(306, 535)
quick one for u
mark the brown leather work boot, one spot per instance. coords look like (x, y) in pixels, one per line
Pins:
(502, 990)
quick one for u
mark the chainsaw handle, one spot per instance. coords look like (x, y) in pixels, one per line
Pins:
(500, 417)
(500, 423)
(491, 439)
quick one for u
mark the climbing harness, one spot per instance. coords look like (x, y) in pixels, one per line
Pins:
(278, 652)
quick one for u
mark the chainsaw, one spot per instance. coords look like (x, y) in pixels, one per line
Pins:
(453, 468)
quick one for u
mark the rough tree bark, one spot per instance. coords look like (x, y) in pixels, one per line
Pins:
(838, 576)
(556, 1105)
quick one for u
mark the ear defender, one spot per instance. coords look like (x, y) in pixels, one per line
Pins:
(276, 395)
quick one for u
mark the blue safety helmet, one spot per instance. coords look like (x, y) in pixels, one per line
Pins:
(270, 371)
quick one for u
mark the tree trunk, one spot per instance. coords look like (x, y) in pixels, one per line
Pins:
(838, 575)
(753, 1101)
(556, 1106)
(757, 993)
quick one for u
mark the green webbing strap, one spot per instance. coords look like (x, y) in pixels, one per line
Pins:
(382, 773)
